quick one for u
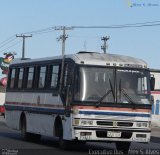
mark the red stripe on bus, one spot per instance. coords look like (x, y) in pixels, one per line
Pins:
(155, 92)
(111, 109)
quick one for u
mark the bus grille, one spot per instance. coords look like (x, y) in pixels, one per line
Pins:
(127, 124)
(105, 123)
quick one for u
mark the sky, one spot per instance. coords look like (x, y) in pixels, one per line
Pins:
(21, 16)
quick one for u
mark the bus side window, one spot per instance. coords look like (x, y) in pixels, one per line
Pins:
(157, 80)
(42, 77)
(142, 87)
(30, 76)
(54, 76)
(12, 79)
(20, 77)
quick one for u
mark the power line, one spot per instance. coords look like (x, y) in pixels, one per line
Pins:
(10, 38)
(11, 46)
(39, 31)
(140, 24)
(53, 28)
(115, 26)
(9, 41)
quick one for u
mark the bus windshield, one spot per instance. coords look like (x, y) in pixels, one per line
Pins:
(112, 85)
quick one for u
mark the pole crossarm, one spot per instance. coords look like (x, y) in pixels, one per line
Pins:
(104, 46)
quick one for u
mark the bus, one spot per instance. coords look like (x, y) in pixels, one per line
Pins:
(86, 102)
(155, 73)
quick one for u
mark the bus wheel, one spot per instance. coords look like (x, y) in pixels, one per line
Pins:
(24, 134)
(123, 146)
(63, 144)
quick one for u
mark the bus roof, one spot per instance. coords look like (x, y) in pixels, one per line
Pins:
(93, 58)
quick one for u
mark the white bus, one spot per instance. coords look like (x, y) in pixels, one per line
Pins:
(93, 104)
(155, 73)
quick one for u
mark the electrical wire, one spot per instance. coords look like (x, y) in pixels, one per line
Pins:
(51, 29)
(115, 26)
(39, 31)
(7, 40)
(11, 46)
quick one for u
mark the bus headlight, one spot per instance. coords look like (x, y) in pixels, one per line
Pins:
(86, 122)
(142, 124)
(76, 122)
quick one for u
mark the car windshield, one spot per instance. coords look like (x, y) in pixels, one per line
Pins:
(111, 85)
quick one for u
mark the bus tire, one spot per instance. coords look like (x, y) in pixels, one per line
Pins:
(123, 146)
(63, 144)
(26, 135)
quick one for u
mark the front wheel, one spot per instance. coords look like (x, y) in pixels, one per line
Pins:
(123, 146)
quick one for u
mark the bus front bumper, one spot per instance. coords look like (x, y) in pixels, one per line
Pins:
(90, 134)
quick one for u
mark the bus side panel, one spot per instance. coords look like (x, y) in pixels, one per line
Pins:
(12, 119)
(40, 124)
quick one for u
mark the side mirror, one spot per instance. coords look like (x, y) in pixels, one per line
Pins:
(152, 83)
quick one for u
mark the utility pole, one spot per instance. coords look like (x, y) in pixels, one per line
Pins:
(23, 45)
(104, 46)
(63, 38)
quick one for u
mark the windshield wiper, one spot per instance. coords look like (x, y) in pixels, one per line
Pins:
(127, 96)
(125, 93)
(106, 94)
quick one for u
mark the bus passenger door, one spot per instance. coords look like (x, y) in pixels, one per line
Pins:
(66, 95)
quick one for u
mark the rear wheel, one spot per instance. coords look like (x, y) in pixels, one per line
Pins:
(123, 146)
(26, 135)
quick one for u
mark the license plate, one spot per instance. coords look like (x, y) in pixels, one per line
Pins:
(113, 134)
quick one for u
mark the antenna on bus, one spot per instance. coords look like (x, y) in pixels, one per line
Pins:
(104, 46)
(63, 38)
